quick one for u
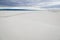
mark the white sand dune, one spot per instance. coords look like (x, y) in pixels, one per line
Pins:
(31, 25)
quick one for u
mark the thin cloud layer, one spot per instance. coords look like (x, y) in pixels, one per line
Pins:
(40, 3)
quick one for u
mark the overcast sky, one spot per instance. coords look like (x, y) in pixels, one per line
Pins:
(42, 3)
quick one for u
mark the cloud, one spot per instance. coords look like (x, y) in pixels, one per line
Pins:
(40, 3)
(50, 5)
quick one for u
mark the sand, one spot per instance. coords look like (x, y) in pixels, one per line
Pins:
(37, 25)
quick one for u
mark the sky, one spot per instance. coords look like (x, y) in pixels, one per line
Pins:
(40, 3)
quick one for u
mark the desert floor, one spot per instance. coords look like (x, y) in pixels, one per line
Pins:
(31, 25)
